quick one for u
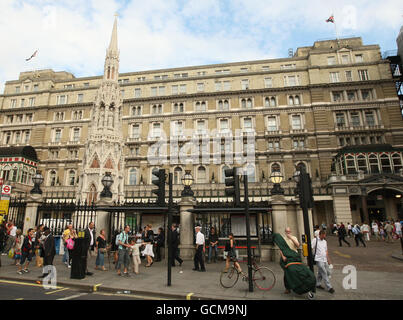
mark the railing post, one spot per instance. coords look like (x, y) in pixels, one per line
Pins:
(31, 211)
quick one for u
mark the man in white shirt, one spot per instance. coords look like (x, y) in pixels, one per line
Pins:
(375, 230)
(321, 256)
(200, 250)
(398, 228)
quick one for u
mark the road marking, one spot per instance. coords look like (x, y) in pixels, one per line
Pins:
(96, 287)
(20, 299)
(342, 255)
(188, 297)
(73, 297)
(25, 284)
(57, 290)
(128, 295)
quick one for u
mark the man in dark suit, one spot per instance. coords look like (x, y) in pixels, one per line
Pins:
(174, 246)
(49, 250)
(89, 242)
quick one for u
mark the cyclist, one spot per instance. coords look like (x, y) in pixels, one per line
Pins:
(231, 254)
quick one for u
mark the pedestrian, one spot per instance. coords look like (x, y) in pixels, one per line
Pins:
(65, 237)
(321, 256)
(382, 232)
(349, 230)
(115, 249)
(398, 228)
(200, 251)
(341, 233)
(230, 248)
(388, 229)
(38, 246)
(213, 245)
(358, 235)
(89, 237)
(101, 249)
(375, 230)
(11, 234)
(160, 243)
(124, 246)
(3, 236)
(316, 232)
(49, 250)
(135, 253)
(174, 244)
(149, 242)
(365, 231)
(18, 241)
(27, 251)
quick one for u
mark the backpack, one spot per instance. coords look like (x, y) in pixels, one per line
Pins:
(70, 244)
(119, 238)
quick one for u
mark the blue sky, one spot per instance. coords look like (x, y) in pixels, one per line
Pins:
(73, 35)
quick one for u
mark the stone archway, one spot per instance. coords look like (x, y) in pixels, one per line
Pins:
(384, 203)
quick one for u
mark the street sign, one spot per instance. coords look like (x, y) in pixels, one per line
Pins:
(6, 190)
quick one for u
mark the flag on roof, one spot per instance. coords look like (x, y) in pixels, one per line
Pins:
(33, 55)
(331, 19)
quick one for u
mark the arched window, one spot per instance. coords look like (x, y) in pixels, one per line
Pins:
(226, 105)
(290, 101)
(92, 195)
(249, 103)
(373, 163)
(275, 167)
(154, 109)
(362, 163)
(201, 175)
(109, 73)
(397, 162)
(177, 175)
(385, 163)
(6, 173)
(24, 177)
(297, 101)
(273, 102)
(220, 105)
(301, 165)
(52, 178)
(134, 111)
(223, 173)
(350, 163)
(14, 177)
(132, 176)
(203, 106)
(243, 103)
(267, 102)
(72, 178)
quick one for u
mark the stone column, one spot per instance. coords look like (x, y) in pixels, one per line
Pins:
(342, 210)
(279, 214)
(187, 248)
(364, 206)
(31, 211)
(102, 221)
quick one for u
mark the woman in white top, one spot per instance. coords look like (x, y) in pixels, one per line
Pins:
(149, 242)
(135, 252)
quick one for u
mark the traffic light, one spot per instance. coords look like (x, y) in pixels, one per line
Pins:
(160, 183)
(305, 190)
(232, 181)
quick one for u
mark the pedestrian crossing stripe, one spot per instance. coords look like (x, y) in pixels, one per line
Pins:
(342, 255)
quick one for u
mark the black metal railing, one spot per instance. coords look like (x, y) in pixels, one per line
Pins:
(16, 211)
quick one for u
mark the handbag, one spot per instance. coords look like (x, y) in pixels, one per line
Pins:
(102, 250)
(11, 253)
(316, 245)
(70, 244)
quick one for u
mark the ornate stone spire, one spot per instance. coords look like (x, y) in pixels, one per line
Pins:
(104, 146)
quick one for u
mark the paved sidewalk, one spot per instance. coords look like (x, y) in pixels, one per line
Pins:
(205, 285)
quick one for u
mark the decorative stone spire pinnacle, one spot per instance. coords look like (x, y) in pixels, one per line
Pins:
(113, 45)
(111, 70)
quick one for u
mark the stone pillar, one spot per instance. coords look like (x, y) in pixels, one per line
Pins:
(103, 219)
(342, 210)
(187, 248)
(31, 211)
(364, 206)
(279, 214)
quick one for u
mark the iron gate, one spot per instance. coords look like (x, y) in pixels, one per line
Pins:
(16, 212)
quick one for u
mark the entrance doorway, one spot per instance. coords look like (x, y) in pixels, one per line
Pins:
(377, 214)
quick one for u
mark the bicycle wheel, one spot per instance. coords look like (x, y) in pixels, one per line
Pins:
(264, 278)
(228, 279)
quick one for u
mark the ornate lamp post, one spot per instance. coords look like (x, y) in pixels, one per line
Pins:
(276, 178)
(107, 181)
(187, 181)
(37, 179)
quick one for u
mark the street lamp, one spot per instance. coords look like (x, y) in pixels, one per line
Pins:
(107, 181)
(187, 181)
(276, 178)
(37, 179)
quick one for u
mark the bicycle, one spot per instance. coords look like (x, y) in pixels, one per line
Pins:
(263, 277)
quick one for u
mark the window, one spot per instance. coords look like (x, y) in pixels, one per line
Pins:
(153, 91)
(355, 119)
(58, 135)
(290, 81)
(178, 108)
(250, 171)
(26, 88)
(244, 69)
(22, 103)
(340, 120)
(8, 137)
(137, 93)
(299, 144)
(201, 73)
(271, 124)
(156, 130)
(331, 60)
(358, 58)
(61, 99)
(200, 126)
(76, 134)
(373, 163)
(135, 131)
(245, 84)
(385, 163)
(182, 88)
(337, 96)
(200, 106)
(86, 84)
(29, 117)
(366, 94)
(290, 100)
(161, 91)
(80, 97)
(157, 109)
(227, 85)
(177, 175)
(52, 178)
(246, 103)
(268, 82)
(201, 175)
(345, 59)
(122, 93)
(13, 103)
(397, 162)
(247, 124)
(200, 87)
(296, 122)
(175, 89)
(9, 119)
(17, 89)
(297, 100)
(132, 177)
(59, 116)
(362, 163)
(363, 75)
(275, 167)
(17, 137)
(265, 68)
(369, 118)
(349, 76)
(218, 86)
(177, 127)
(334, 77)
(287, 66)
(351, 95)
(224, 125)
(223, 105)
(72, 178)
(68, 86)
(31, 102)
(350, 163)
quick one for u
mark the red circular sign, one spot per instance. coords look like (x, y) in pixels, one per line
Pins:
(6, 189)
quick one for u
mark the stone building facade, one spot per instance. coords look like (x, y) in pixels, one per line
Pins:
(300, 110)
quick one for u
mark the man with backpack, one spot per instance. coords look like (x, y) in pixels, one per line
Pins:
(123, 241)
(358, 235)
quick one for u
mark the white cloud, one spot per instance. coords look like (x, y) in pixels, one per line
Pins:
(73, 35)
